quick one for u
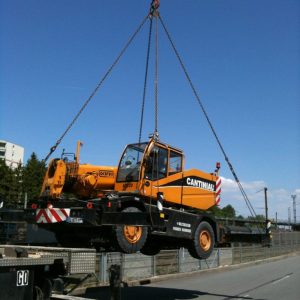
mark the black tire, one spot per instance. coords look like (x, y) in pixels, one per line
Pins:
(47, 289)
(151, 247)
(203, 241)
(130, 239)
(43, 290)
(70, 238)
(37, 293)
(64, 240)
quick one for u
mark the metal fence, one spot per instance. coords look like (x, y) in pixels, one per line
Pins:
(141, 267)
(282, 243)
(138, 266)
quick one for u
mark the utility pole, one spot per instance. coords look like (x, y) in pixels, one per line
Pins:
(266, 203)
(294, 207)
(289, 215)
(268, 222)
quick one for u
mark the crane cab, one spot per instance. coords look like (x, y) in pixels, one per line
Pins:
(153, 168)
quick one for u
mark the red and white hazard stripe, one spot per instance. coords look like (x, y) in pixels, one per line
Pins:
(52, 215)
(218, 190)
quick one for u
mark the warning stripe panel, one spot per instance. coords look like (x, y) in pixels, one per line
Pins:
(52, 215)
(42, 216)
(218, 190)
(55, 215)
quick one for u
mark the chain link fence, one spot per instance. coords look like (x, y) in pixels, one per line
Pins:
(282, 243)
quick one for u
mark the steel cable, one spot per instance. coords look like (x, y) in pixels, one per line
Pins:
(156, 77)
(248, 203)
(145, 80)
(53, 148)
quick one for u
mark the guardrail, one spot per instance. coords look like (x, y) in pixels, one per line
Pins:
(141, 267)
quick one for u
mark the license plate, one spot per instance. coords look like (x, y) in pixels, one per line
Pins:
(74, 220)
(22, 277)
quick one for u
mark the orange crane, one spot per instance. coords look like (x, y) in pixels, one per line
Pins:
(149, 196)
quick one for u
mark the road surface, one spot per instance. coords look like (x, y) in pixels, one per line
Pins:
(275, 280)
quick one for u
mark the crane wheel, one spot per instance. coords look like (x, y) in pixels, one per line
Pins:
(42, 291)
(37, 293)
(131, 239)
(203, 241)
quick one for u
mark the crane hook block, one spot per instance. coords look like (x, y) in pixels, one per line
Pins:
(154, 6)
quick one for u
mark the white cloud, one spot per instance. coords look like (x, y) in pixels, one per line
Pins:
(279, 200)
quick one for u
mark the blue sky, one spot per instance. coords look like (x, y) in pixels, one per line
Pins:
(243, 58)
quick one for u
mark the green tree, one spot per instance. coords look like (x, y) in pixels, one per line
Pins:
(225, 212)
(33, 175)
(260, 218)
(10, 184)
(18, 185)
(4, 180)
(228, 211)
(216, 210)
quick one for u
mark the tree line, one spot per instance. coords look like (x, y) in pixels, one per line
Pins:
(229, 212)
(23, 181)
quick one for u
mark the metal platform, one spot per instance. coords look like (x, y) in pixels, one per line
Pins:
(77, 261)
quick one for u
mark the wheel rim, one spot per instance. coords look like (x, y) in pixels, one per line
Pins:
(205, 240)
(132, 233)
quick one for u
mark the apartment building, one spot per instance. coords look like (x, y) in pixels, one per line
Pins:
(12, 154)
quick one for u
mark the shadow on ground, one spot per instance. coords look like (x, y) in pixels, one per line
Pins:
(154, 293)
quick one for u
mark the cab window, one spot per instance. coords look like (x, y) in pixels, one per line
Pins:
(157, 164)
(129, 168)
(175, 163)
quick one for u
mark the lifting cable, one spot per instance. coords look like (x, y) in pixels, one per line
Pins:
(146, 79)
(53, 148)
(156, 77)
(152, 14)
(248, 203)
